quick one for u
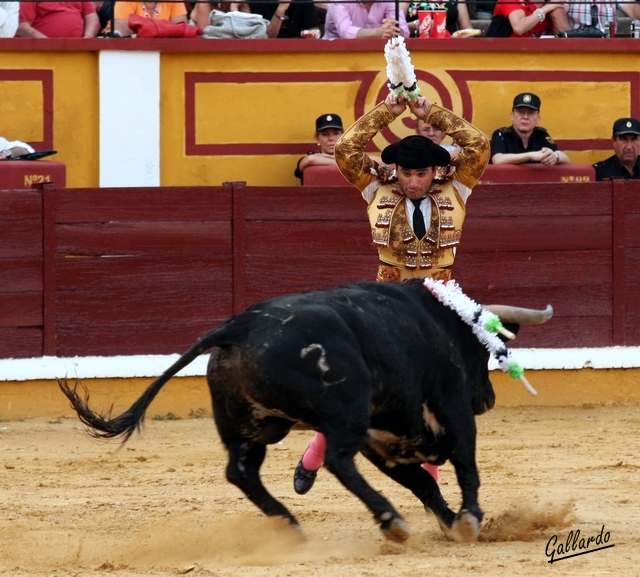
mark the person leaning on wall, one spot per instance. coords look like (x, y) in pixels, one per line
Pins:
(359, 19)
(625, 163)
(175, 12)
(526, 19)
(58, 20)
(328, 130)
(524, 141)
(599, 14)
(286, 19)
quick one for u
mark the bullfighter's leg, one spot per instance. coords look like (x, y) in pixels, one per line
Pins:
(432, 470)
(307, 469)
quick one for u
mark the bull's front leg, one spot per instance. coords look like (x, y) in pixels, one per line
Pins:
(418, 481)
(466, 525)
(392, 524)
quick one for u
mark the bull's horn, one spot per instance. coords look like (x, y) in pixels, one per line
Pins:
(519, 315)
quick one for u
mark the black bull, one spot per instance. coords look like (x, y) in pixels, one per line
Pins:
(380, 368)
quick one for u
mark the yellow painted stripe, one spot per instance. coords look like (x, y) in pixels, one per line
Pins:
(185, 396)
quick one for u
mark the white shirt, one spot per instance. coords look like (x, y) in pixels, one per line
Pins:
(9, 12)
(464, 192)
(4, 143)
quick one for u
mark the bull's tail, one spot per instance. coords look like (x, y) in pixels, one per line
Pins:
(103, 426)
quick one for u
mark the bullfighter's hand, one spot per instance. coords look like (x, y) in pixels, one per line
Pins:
(397, 104)
(420, 107)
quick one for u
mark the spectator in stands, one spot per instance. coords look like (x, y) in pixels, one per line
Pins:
(484, 10)
(105, 13)
(525, 141)
(599, 14)
(528, 19)
(364, 20)
(625, 163)
(9, 13)
(457, 15)
(200, 12)
(175, 12)
(321, 10)
(435, 135)
(9, 148)
(328, 130)
(58, 20)
(286, 19)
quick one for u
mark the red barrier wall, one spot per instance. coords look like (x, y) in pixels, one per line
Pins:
(23, 174)
(146, 271)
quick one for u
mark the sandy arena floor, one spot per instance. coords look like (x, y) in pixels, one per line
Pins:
(160, 505)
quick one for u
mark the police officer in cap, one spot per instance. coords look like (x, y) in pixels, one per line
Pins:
(626, 145)
(524, 141)
(328, 131)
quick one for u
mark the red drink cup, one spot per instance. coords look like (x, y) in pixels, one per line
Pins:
(439, 27)
(425, 23)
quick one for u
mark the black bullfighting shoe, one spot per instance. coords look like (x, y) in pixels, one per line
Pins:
(303, 479)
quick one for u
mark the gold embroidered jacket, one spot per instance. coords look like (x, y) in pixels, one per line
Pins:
(401, 254)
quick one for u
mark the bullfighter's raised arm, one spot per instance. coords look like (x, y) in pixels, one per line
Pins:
(354, 163)
(360, 170)
(475, 146)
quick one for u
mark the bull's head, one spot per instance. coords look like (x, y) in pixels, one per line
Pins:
(484, 398)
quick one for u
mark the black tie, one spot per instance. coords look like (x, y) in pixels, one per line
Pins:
(418, 220)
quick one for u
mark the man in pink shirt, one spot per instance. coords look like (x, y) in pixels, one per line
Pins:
(364, 20)
(58, 20)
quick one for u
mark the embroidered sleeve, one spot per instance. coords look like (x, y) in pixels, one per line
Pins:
(474, 156)
(353, 162)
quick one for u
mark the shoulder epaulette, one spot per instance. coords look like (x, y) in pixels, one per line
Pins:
(386, 174)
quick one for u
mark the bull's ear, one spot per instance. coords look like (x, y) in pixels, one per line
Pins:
(512, 327)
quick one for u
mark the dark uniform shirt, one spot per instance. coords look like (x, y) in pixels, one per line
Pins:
(613, 168)
(301, 15)
(299, 173)
(507, 141)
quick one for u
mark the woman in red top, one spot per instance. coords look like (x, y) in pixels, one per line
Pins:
(530, 19)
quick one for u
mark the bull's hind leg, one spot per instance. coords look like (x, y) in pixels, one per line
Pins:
(243, 470)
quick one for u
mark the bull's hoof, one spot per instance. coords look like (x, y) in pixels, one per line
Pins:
(396, 530)
(303, 479)
(464, 529)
